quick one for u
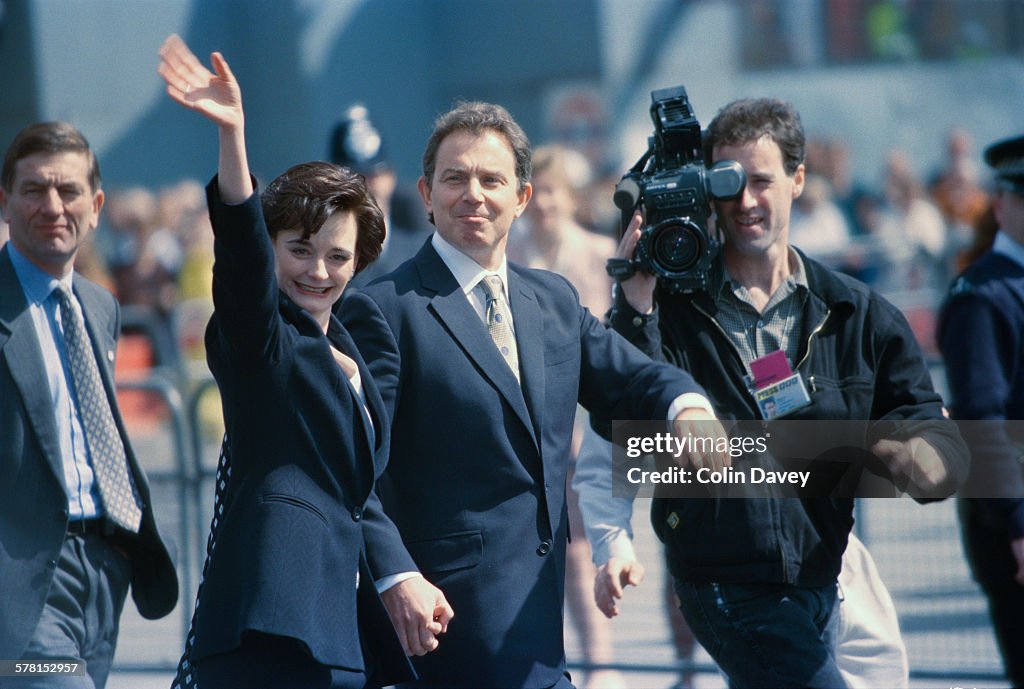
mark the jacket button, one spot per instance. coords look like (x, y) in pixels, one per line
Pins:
(544, 548)
(357, 514)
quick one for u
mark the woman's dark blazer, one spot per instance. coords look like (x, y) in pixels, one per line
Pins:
(289, 546)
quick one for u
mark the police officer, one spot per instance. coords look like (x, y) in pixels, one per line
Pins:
(357, 144)
(981, 335)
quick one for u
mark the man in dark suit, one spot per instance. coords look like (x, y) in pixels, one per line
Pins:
(76, 521)
(481, 364)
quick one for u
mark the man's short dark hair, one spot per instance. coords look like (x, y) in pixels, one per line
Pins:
(48, 137)
(305, 195)
(750, 119)
(477, 118)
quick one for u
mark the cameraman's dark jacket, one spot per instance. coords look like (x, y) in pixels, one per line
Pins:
(859, 360)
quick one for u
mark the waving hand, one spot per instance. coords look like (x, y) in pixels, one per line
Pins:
(217, 96)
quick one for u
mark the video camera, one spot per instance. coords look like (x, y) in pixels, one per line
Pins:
(676, 190)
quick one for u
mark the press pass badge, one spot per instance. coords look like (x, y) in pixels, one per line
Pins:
(777, 390)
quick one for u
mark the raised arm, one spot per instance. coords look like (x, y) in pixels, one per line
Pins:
(217, 96)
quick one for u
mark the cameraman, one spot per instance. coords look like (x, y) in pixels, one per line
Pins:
(763, 609)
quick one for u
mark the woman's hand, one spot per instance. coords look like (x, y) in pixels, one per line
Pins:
(216, 95)
(218, 98)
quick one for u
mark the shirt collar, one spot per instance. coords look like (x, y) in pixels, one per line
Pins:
(467, 272)
(36, 283)
(799, 275)
(1005, 245)
(797, 278)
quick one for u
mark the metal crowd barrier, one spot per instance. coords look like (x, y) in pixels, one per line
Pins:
(165, 454)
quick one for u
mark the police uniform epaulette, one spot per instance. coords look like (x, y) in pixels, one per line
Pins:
(961, 286)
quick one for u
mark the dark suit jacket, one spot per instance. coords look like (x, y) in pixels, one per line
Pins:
(290, 542)
(33, 501)
(981, 336)
(402, 245)
(476, 480)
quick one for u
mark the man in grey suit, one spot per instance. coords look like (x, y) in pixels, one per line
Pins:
(76, 521)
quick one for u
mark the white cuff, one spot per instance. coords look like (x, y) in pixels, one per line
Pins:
(619, 545)
(689, 400)
(391, 580)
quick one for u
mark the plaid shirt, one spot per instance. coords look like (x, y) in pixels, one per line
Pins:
(754, 333)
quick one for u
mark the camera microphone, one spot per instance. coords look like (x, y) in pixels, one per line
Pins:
(627, 195)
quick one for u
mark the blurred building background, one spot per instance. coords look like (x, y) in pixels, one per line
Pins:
(873, 73)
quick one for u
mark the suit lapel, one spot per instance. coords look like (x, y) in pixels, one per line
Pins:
(374, 436)
(103, 343)
(452, 308)
(20, 347)
(529, 327)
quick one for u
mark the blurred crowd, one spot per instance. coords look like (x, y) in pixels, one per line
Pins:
(908, 237)
(154, 248)
(908, 234)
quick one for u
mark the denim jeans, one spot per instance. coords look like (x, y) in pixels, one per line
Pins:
(765, 635)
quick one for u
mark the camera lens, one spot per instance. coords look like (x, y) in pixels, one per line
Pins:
(677, 246)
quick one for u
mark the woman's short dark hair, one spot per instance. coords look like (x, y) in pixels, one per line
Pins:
(305, 195)
(750, 119)
(48, 137)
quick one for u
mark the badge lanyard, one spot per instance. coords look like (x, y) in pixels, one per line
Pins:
(775, 387)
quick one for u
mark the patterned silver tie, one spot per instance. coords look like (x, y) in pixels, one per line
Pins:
(499, 323)
(106, 451)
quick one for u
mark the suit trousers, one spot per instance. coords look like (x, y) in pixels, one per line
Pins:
(986, 540)
(82, 613)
